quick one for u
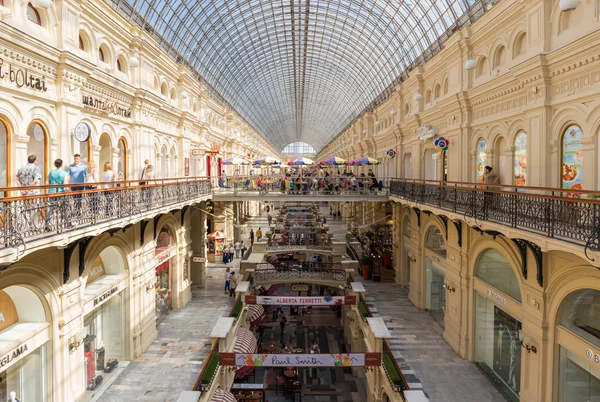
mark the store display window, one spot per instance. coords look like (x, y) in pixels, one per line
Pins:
(165, 253)
(579, 376)
(103, 346)
(497, 346)
(25, 380)
(495, 270)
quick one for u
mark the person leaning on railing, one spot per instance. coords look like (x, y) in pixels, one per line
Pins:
(56, 177)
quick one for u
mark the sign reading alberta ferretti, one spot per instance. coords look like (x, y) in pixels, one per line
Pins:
(21, 77)
(301, 301)
(300, 360)
(105, 106)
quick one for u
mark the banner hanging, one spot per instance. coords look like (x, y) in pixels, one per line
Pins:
(301, 301)
(300, 360)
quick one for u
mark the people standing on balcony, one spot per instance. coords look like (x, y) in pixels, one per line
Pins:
(490, 177)
(237, 249)
(30, 175)
(91, 180)
(149, 175)
(55, 178)
(109, 175)
(233, 284)
(143, 176)
(258, 234)
(77, 175)
(251, 236)
(224, 178)
(227, 282)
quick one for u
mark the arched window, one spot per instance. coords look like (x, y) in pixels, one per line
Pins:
(572, 158)
(37, 146)
(482, 68)
(520, 162)
(520, 44)
(4, 154)
(173, 94)
(436, 92)
(445, 86)
(481, 159)
(101, 56)
(428, 96)
(106, 152)
(434, 240)
(579, 314)
(173, 163)
(495, 270)
(499, 57)
(406, 109)
(81, 44)
(119, 65)
(122, 161)
(33, 15)
(163, 162)
(163, 89)
(299, 148)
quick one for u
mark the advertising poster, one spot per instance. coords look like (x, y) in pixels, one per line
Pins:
(572, 159)
(507, 349)
(481, 159)
(520, 178)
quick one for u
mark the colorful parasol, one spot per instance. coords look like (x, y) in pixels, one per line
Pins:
(334, 160)
(267, 161)
(301, 161)
(363, 161)
(235, 161)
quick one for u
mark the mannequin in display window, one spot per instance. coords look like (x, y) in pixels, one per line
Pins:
(12, 397)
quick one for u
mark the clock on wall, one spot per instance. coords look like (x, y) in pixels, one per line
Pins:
(38, 133)
(82, 132)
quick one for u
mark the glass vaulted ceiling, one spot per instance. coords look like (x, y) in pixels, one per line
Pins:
(300, 69)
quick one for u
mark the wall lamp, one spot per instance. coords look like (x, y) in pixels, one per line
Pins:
(150, 287)
(74, 344)
(526, 343)
(449, 288)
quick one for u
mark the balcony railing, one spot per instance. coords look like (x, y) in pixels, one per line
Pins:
(268, 275)
(27, 213)
(306, 185)
(209, 370)
(292, 244)
(572, 216)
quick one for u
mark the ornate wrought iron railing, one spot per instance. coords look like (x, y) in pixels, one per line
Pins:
(290, 244)
(572, 216)
(29, 212)
(283, 265)
(267, 275)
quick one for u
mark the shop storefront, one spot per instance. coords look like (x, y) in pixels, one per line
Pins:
(435, 285)
(24, 350)
(165, 263)
(104, 318)
(405, 281)
(578, 343)
(498, 322)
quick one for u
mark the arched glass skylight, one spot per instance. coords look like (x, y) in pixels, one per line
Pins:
(301, 69)
(299, 148)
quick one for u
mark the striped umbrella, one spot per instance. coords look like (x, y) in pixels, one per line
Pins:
(364, 161)
(301, 161)
(267, 161)
(255, 313)
(245, 341)
(222, 395)
(334, 160)
(235, 161)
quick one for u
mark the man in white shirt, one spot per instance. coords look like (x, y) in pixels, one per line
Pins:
(237, 249)
(231, 251)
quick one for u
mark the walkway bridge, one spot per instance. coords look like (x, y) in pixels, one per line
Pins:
(328, 274)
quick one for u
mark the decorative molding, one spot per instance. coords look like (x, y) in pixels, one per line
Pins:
(522, 247)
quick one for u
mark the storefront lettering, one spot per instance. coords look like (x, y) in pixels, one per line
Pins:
(496, 296)
(592, 356)
(105, 295)
(164, 257)
(21, 77)
(13, 355)
(105, 106)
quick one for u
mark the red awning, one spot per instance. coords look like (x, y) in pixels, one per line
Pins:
(162, 267)
(222, 395)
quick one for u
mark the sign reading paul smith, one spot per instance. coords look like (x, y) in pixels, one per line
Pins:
(300, 360)
(21, 77)
(105, 106)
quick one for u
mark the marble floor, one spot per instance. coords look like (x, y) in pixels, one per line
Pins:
(174, 360)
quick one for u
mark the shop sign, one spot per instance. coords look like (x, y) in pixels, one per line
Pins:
(301, 301)
(496, 296)
(197, 152)
(105, 106)
(21, 77)
(592, 356)
(105, 295)
(300, 360)
(16, 353)
(299, 288)
(198, 259)
(167, 255)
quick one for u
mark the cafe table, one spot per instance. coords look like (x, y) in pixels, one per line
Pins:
(290, 373)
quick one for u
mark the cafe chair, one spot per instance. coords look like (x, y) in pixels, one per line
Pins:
(280, 382)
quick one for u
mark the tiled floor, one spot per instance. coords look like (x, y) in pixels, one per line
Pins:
(175, 359)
